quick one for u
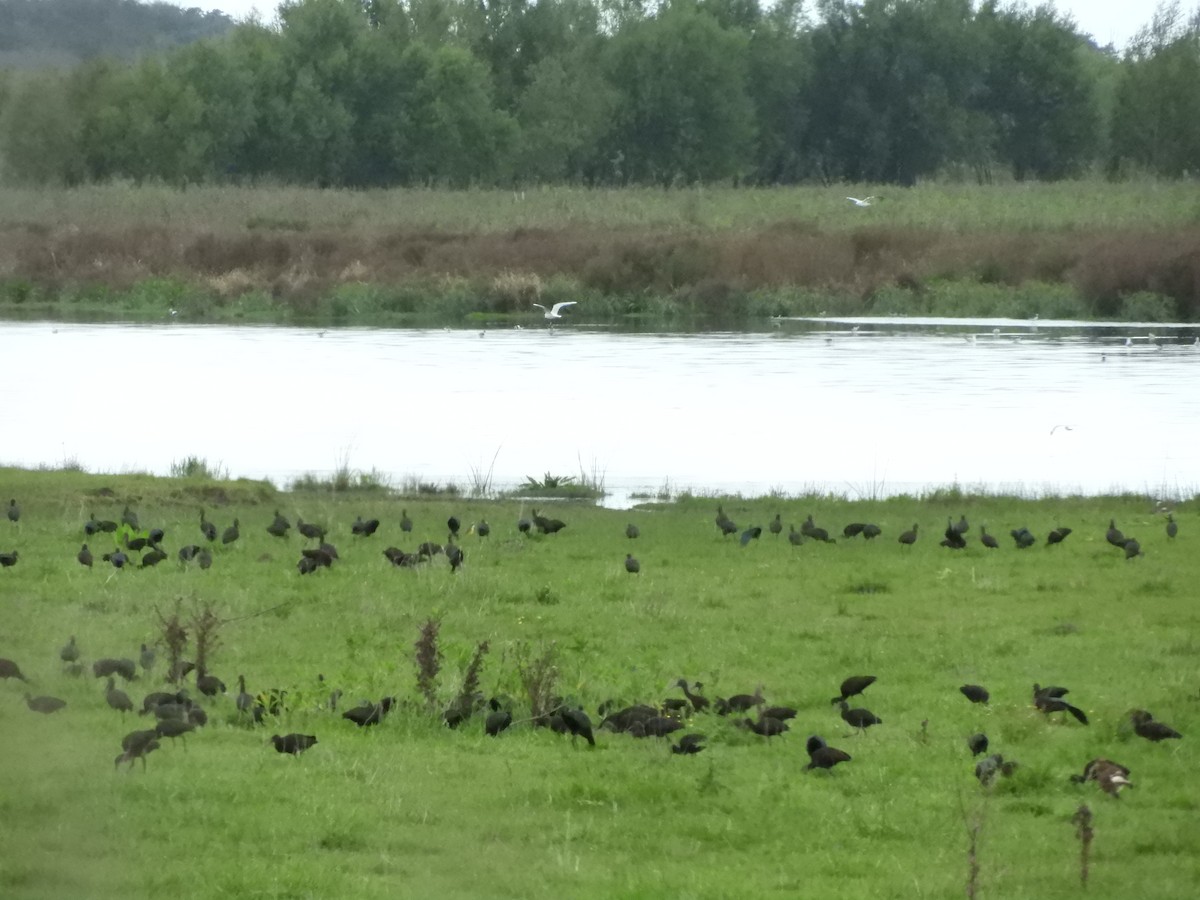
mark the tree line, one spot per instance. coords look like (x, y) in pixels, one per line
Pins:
(364, 93)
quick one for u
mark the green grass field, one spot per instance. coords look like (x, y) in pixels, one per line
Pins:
(413, 809)
(1079, 205)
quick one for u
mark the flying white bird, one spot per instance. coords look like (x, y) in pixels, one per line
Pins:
(865, 201)
(553, 312)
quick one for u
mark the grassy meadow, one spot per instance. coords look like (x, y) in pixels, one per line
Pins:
(413, 809)
(1087, 249)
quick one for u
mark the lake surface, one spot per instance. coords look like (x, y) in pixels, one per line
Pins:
(861, 407)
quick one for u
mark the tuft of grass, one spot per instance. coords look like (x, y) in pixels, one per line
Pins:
(197, 467)
(428, 657)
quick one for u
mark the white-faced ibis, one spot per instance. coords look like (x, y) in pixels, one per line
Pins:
(117, 698)
(578, 724)
(294, 744)
(1049, 704)
(689, 744)
(1023, 537)
(854, 529)
(725, 523)
(1132, 549)
(765, 726)
(743, 702)
(139, 751)
(45, 705)
(9, 669)
(1114, 535)
(822, 756)
(210, 685)
(14, 511)
(1172, 526)
(859, 718)
(989, 767)
(778, 712)
(1145, 726)
(174, 728)
(364, 527)
(84, 556)
(962, 526)
(871, 531)
(808, 529)
(988, 540)
(632, 566)
(126, 668)
(207, 528)
(977, 743)
(129, 517)
(1111, 776)
(7, 560)
(69, 652)
(1057, 536)
(547, 526)
(496, 721)
(631, 531)
(232, 533)
(279, 527)
(795, 538)
(310, 530)
(455, 554)
(776, 526)
(482, 528)
(699, 703)
(976, 693)
(369, 713)
(853, 686)
(953, 538)
(406, 524)
(146, 657)
(909, 537)
(204, 559)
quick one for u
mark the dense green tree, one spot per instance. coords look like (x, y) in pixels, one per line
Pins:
(1156, 119)
(895, 88)
(682, 112)
(1040, 100)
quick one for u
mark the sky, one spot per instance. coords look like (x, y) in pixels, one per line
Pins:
(1107, 21)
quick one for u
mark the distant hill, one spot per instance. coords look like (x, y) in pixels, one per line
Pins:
(38, 33)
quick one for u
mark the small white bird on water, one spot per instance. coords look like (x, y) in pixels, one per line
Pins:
(865, 201)
(553, 312)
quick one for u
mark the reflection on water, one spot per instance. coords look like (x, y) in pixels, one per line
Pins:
(861, 407)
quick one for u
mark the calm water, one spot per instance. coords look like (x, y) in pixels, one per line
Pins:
(887, 408)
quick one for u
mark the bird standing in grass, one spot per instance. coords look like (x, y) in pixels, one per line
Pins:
(406, 524)
(631, 531)
(45, 705)
(207, 528)
(116, 698)
(976, 693)
(1172, 526)
(689, 744)
(822, 756)
(987, 540)
(231, 534)
(1111, 776)
(1145, 726)
(909, 537)
(84, 556)
(9, 669)
(862, 719)
(294, 744)
(279, 527)
(14, 511)
(69, 652)
(853, 686)
(977, 743)
(8, 560)
(632, 566)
